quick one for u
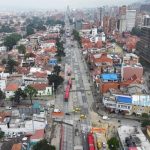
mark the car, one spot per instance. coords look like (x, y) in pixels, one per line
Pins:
(103, 144)
(82, 116)
(67, 114)
(57, 110)
(77, 109)
(8, 108)
(106, 118)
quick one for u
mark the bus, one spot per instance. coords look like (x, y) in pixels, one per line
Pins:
(91, 141)
(66, 96)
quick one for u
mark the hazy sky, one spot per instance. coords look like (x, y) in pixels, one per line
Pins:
(45, 4)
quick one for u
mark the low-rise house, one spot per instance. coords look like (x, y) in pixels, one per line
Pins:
(43, 89)
(132, 138)
(131, 66)
(135, 104)
(37, 136)
(3, 83)
(148, 130)
(17, 146)
(3, 49)
(10, 89)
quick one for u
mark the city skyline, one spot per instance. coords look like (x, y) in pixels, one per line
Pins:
(59, 4)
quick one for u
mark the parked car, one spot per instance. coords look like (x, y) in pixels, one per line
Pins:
(67, 114)
(106, 118)
(103, 144)
(8, 108)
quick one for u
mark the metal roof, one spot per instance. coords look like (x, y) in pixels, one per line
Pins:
(111, 76)
(29, 111)
(124, 99)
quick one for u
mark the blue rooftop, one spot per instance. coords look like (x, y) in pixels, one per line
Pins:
(123, 99)
(36, 105)
(111, 76)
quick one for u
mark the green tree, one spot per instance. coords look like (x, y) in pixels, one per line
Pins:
(29, 30)
(145, 123)
(2, 95)
(43, 145)
(6, 29)
(30, 91)
(145, 115)
(11, 65)
(60, 48)
(19, 94)
(113, 143)
(21, 49)
(136, 31)
(77, 37)
(57, 70)
(55, 79)
(4, 61)
(11, 40)
(2, 134)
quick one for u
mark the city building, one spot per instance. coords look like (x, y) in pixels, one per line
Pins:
(135, 104)
(78, 25)
(126, 20)
(143, 45)
(131, 67)
(130, 19)
(132, 138)
(147, 20)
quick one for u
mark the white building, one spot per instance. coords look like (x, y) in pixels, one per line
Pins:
(130, 19)
(3, 49)
(94, 31)
(3, 84)
(122, 23)
(10, 90)
(131, 135)
(127, 21)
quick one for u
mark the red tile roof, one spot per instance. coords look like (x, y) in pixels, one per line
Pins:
(12, 87)
(40, 74)
(17, 146)
(39, 86)
(102, 59)
(39, 134)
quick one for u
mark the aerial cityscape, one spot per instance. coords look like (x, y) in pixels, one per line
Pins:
(75, 75)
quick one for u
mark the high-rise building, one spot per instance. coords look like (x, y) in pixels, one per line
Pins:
(106, 24)
(126, 20)
(130, 19)
(78, 25)
(122, 19)
(112, 24)
(147, 21)
(143, 45)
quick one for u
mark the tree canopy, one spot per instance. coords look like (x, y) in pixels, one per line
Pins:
(21, 49)
(53, 22)
(145, 123)
(113, 143)
(77, 36)
(43, 145)
(60, 48)
(10, 66)
(35, 23)
(55, 79)
(57, 69)
(30, 91)
(136, 31)
(19, 94)
(11, 40)
(6, 29)
(2, 95)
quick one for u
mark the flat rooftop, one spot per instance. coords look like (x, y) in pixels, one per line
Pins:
(134, 133)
